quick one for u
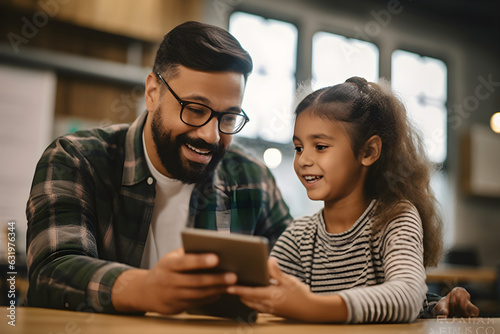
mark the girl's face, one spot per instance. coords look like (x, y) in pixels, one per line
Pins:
(324, 160)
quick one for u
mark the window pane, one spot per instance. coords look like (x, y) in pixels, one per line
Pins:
(421, 82)
(337, 58)
(270, 88)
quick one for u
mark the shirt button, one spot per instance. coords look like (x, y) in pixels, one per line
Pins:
(150, 180)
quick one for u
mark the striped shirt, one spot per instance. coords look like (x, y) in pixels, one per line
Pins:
(380, 275)
(91, 205)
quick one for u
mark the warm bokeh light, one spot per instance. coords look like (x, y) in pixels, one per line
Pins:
(272, 157)
(495, 122)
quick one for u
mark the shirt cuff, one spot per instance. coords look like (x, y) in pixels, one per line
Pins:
(101, 284)
(348, 302)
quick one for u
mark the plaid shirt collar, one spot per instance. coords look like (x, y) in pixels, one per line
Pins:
(135, 168)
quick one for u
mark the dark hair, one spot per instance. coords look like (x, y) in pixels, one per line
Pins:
(202, 47)
(403, 170)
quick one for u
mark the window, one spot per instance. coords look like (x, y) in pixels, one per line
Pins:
(271, 91)
(271, 88)
(421, 82)
(336, 58)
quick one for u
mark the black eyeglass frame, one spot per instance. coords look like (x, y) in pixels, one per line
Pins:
(218, 114)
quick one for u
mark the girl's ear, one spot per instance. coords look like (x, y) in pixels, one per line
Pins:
(371, 151)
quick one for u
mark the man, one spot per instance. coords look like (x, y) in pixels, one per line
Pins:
(107, 204)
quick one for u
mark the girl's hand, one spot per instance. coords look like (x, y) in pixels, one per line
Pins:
(288, 297)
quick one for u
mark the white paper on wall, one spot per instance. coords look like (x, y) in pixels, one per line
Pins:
(27, 99)
(485, 161)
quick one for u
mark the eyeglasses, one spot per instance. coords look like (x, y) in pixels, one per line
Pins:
(197, 114)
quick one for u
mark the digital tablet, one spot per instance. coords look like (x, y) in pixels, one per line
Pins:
(245, 255)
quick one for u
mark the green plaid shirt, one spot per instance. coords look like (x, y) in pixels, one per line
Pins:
(91, 205)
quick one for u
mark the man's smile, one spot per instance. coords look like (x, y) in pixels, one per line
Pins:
(199, 151)
(202, 156)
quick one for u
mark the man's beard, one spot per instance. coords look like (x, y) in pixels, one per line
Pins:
(169, 151)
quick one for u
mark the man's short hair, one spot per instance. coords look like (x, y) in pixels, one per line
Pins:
(203, 47)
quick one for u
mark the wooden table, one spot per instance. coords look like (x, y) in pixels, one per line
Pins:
(37, 320)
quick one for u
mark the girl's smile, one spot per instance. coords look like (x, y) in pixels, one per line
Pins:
(311, 180)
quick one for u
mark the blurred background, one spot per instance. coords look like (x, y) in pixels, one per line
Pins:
(67, 65)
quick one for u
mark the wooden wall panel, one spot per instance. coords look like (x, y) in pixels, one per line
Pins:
(94, 100)
(146, 20)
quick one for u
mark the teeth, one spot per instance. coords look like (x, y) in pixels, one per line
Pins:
(310, 178)
(197, 150)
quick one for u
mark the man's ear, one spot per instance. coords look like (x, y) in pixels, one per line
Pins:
(371, 150)
(152, 92)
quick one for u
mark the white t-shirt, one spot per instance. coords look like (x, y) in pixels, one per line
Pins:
(170, 216)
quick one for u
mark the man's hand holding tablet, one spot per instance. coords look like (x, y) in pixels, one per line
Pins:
(244, 255)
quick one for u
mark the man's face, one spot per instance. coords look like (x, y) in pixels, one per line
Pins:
(181, 151)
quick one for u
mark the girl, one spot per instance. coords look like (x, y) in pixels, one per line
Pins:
(361, 258)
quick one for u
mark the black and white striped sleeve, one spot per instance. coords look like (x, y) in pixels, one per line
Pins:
(400, 297)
